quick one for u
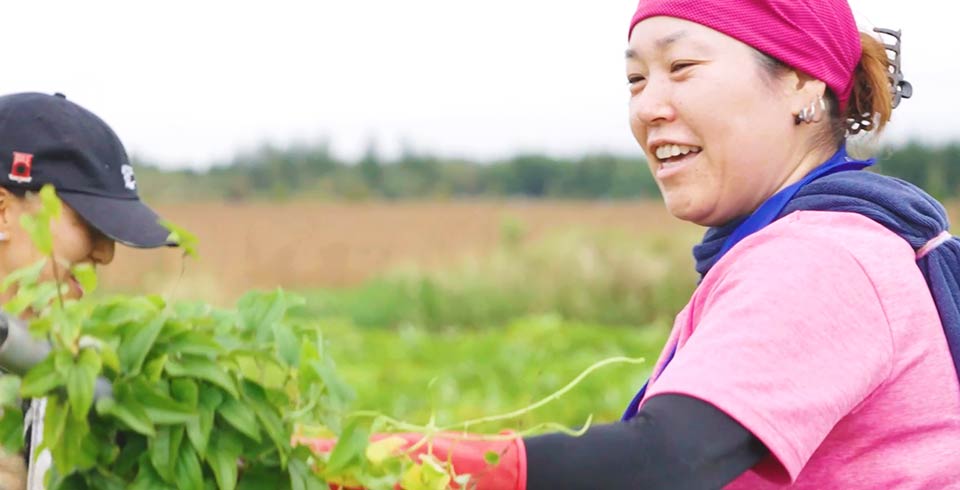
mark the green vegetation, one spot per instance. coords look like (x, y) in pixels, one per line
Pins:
(457, 375)
(205, 398)
(602, 278)
(313, 171)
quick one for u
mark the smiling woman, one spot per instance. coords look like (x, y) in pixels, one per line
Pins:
(46, 139)
(821, 348)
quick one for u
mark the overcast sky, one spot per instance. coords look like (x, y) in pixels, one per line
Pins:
(188, 83)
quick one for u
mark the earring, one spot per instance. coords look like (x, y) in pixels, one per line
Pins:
(815, 115)
(811, 114)
(3, 236)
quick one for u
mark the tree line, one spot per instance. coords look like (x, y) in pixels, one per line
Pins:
(313, 171)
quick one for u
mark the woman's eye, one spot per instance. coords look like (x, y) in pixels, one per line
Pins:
(680, 65)
(632, 79)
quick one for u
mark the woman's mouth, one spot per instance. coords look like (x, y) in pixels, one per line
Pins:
(672, 158)
(75, 286)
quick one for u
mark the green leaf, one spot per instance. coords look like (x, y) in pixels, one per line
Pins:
(288, 346)
(25, 276)
(131, 414)
(104, 480)
(301, 478)
(148, 479)
(428, 475)
(183, 238)
(225, 448)
(188, 473)
(116, 312)
(185, 391)
(81, 378)
(338, 390)
(379, 451)
(134, 349)
(71, 449)
(76, 450)
(153, 369)
(241, 417)
(302, 456)
(38, 228)
(132, 452)
(491, 457)
(258, 477)
(86, 275)
(49, 202)
(160, 407)
(43, 296)
(351, 447)
(259, 311)
(11, 429)
(268, 415)
(41, 379)
(108, 354)
(205, 369)
(194, 343)
(164, 449)
(199, 429)
(54, 421)
(9, 390)
(63, 361)
(19, 303)
(40, 327)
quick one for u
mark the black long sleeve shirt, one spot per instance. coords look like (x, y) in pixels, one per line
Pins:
(675, 442)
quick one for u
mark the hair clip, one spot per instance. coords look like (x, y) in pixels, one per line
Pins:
(901, 87)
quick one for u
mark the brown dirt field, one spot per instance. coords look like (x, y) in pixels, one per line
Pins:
(312, 244)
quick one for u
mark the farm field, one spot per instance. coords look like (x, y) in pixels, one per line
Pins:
(309, 244)
(454, 309)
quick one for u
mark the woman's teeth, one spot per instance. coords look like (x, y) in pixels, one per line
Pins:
(666, 152)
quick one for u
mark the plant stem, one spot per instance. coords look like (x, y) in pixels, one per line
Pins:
(56, 277)
(550, 398)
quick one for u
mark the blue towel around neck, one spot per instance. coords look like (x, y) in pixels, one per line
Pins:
(898, 205)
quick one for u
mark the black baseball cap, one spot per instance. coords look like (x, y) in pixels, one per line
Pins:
(47, 139)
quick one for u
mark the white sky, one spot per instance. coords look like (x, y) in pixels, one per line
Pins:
(187, 83)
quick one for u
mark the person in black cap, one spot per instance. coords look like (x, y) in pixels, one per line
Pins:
(47, 139)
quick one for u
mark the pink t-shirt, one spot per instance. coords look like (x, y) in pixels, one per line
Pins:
(819, 335)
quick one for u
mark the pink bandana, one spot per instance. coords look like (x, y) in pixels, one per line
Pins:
(817, 37)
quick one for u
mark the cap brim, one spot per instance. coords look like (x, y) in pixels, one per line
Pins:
(128, 221)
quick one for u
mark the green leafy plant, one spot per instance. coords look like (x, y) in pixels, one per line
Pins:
(200, 397)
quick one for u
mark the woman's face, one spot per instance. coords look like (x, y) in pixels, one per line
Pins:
(74, 242)
(718, 133)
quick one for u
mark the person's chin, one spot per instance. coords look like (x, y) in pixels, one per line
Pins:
(684, 207)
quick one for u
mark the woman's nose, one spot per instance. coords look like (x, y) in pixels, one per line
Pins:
(653, 105)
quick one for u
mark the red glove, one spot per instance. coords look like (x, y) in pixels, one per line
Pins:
(465, 452)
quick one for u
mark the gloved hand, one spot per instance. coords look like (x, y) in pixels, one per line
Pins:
(465, 453)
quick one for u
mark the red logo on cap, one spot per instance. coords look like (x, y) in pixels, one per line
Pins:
(20, 171)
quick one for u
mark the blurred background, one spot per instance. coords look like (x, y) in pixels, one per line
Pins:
(452, 186)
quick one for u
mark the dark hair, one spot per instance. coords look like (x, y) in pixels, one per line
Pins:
(871, 100)
(19, 192)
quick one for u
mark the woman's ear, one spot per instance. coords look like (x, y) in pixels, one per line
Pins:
(8, 203)
(803, 89)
